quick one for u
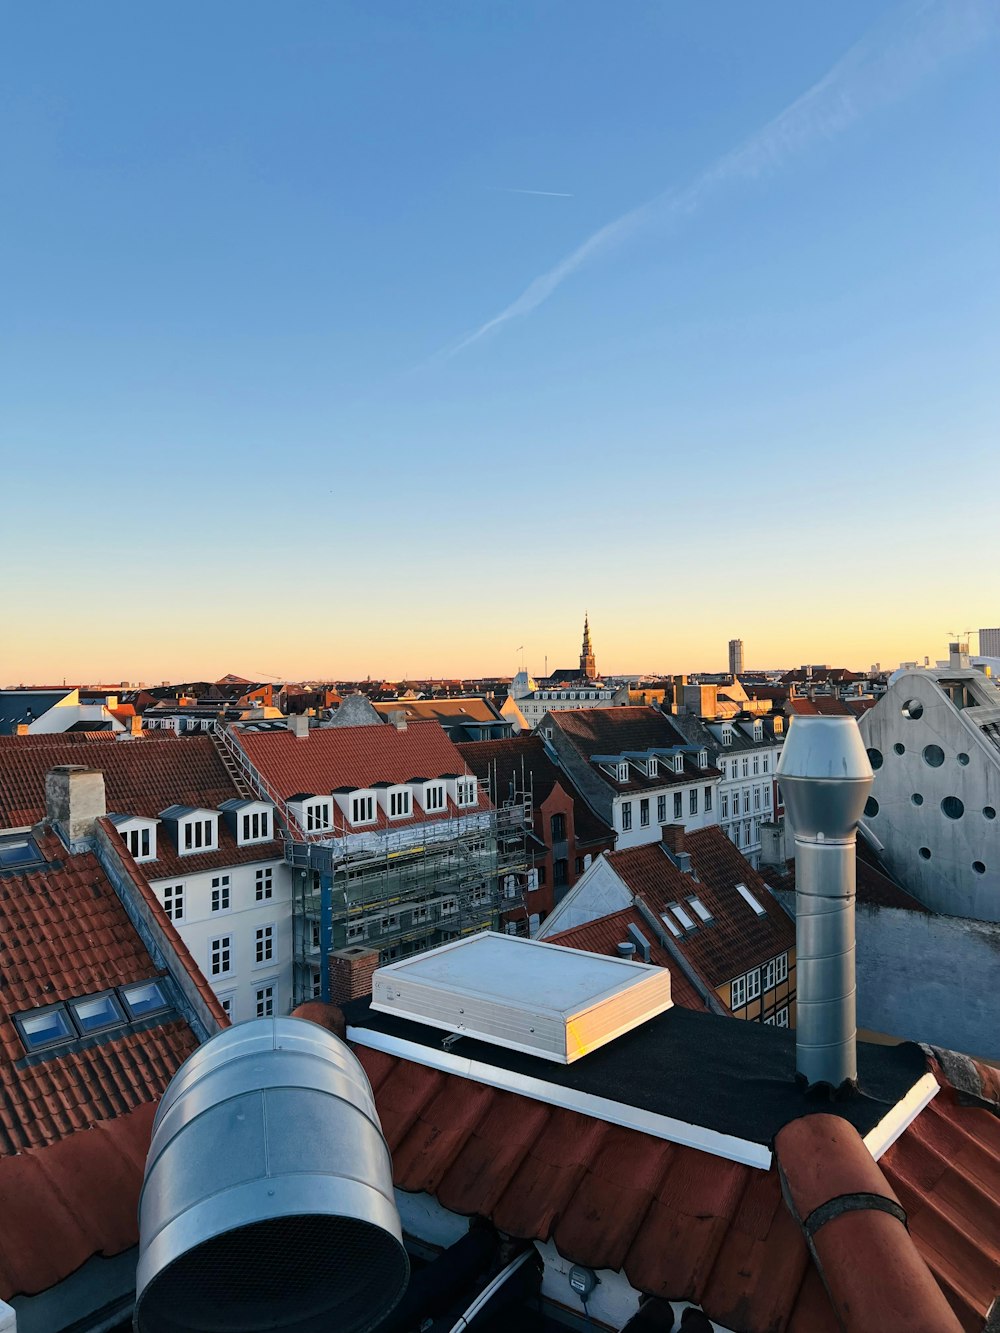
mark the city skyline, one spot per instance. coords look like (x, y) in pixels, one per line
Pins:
(700, 320)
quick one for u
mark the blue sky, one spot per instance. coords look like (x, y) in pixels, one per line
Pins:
(245, 249)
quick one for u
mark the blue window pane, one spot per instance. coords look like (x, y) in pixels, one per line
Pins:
(49, 1025)
(144, 997)
(16, 854)
(96, 1012)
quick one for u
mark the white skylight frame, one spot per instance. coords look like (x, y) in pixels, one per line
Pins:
(750, 900)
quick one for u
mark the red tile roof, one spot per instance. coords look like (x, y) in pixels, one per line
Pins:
(74, 1123)
(682, 1224)
(607, 932)
(737, 939)
(338, 757)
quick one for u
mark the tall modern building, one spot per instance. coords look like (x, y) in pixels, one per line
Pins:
(989, 643)
(735, 657)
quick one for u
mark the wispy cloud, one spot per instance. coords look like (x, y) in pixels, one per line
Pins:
(512, 189)
(886, 65)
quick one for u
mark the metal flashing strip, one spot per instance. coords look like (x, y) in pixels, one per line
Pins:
(880, 1139)
(658, 1126)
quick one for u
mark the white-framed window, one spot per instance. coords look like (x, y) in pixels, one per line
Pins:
(434, 797)
(678, 763)
(623, 771)
(389, 922)
(746, 766)
(727, 735)
(753, 984)
(781, 968)
(532, 880)
(661, 809)
(228, 1003)
(746, 800)
(652, 767)
(770, 975)
(756, 798)
(626, 816)
(263, 944)
(724, 805)
(644, 812)
(220, 893)
(256, 826)
(319, 815)
(220, 956)
(264, 885)
(758, 731)
(362, 809)
(756, 763)
(264, 1000)
(399, 803)
(708, 800)
(781, 1016)
(703, 759)
(693, 801)
(678, 805)
(767, 798)
(139, 843)
(467, 794)
(420, 914)
(449, 906)
(738, 996)
(356, 931)
(317, 985)
(766, 762)
(173, 901)
(198, 835)
(746, 833)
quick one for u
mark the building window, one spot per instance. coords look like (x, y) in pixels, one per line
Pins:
(661, 809)
(399, 804)
(739, 993)
(265, 885)
(449, 906)
(560, 872)
(756, 798)
(753, 984)
(765, 762)
(264, 944)
(703, 759)
(626, 816)
(652, 766)
(434, 798)
(781, 1016)
(532, 880)
(579, 865)
(221, 956)
(678, 805)
(198, 834)
(756, 763)
(264, 1000)
(558, 826)
(746, 801)
(693, 801)
(510, 886)
(767, 798)
(220, 893)
(138, 843)
(318, 816)
(770, 975)
(467, 791)
(746, 834)
(746, 766)
(781, 968)
(173, 901)
(727, 735)
(228, 1005)
(708, 800)
(362, 809)
(256, 827)
(644, 813)
(678, 763)
(724, 801)
(623, 771)
(357, 931)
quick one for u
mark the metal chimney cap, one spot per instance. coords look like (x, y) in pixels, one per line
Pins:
(825, 776)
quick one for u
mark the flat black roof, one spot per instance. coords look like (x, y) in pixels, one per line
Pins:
(724, 1074)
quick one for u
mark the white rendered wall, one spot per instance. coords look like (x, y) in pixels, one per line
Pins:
(639, 835)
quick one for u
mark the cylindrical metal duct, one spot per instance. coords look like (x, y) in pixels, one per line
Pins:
(268, 1199)
(825, 779)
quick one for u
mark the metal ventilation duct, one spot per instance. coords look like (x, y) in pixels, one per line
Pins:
(268, 1201)
(825, 779)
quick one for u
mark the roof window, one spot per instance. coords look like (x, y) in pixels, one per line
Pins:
(699, 909)
(97, 1012)
(682, 916)
(45, 1027)
(19, 854)
(670, 924)
(750, 900)
(144, 997)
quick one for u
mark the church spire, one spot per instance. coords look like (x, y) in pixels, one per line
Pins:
(588, 667)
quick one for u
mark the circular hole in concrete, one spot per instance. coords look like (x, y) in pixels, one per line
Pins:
(962, 758)
(875, 758)
(989, 812)
(952, 807)
(933, 755)
(899, 749)
(979, 868)
(917, 799)
(871, 807)
(925, 852)
(913, 709)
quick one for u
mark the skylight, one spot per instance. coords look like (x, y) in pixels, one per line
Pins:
(682, 916)
(749, 899)
(19, 853)
(144, 997)
(670, 924)
(700, 910)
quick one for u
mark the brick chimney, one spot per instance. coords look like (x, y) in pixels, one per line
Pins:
(672, 837)
(74, 801)
(351, 972)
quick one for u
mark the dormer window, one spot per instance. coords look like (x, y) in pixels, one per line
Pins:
(727, 735)
(622, 771)
(467, 791)
(758, 731)
(653, 767)
(198, 835)
(434, 797)
(318, 815)
(703, 759)
(678, 763)
(363, 808)
(779, 725)
(400, 806)
(138, 835)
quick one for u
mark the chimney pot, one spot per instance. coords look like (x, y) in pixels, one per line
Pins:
(74, 801)
(626, 949)
(298, 725)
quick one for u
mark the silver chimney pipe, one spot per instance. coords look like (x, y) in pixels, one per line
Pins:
(825, 779)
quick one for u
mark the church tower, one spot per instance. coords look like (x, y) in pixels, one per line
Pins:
(588, 667)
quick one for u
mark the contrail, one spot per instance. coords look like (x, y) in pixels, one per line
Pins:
(511, 189)
(886, 65)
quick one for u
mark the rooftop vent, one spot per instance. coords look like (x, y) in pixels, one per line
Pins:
(543, 999)
(267, 1201)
